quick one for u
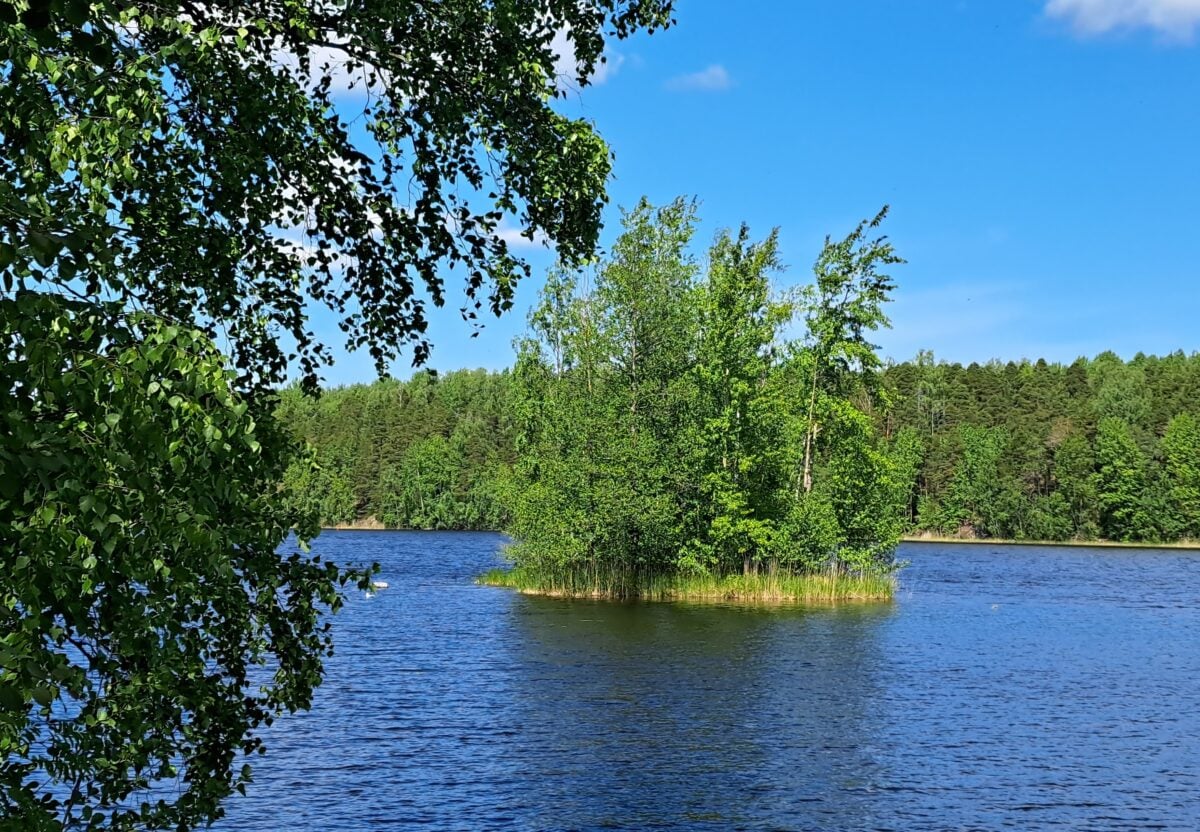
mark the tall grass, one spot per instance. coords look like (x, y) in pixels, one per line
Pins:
(779, 588)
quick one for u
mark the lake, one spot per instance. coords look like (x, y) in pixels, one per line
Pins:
(1007, 687)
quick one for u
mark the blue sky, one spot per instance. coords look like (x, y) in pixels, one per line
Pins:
(1041, 158)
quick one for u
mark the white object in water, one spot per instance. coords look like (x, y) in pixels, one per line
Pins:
(379, 584)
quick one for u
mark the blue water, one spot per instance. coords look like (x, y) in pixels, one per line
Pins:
(1005, 688)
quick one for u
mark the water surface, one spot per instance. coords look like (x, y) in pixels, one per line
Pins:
(1007, 687)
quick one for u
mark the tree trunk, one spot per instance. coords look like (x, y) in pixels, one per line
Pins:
(811, 433)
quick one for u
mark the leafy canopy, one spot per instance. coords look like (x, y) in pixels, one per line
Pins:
(227, 162)
(176, 176)
(147, 623)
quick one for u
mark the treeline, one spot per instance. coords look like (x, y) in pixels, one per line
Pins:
(429, 453)
(1099, 448)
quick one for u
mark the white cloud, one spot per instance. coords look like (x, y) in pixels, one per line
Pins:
(516, 239)
(1175, 19)
(566, 66)
(343, 81)
(507, 230)
(323, 58)
(713, 78)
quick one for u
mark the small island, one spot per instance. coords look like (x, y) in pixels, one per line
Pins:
(687, 432)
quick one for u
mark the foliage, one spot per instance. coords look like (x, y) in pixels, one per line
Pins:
(840, 308)
(1122, 479)
(865, 486)
(908, 454)
(1075, 482)
(1033, 450)
(740, 444)
(600, 404)
(193, 174)
(318, 488)
(148, 623)
(429, 453)
(1181, 461)
(977, 496)
(660, 422)
(423, 490)
(199, 159)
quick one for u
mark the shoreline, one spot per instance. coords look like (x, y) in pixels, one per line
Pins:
(1186, 545)
(1183, 545)
(371, 525)
(765, 590)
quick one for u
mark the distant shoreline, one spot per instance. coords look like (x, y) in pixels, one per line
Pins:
(368, 527)
(1093, 544)
(372, 525)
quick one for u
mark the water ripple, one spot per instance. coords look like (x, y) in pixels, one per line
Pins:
(1007, 688)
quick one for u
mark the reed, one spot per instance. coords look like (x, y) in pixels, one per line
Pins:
(779, 588)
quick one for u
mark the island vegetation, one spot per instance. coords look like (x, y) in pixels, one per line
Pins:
(675, 429)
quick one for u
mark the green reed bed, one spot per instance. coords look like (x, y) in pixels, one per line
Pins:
(779, 588)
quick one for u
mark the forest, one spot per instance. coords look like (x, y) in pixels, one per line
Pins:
(1028, 450)
(428, 453)
(1098, 449)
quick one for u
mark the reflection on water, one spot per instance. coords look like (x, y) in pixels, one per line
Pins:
(1005, 688)
(707, 714)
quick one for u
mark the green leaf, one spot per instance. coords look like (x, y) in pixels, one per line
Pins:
(77, 11)
(45, 247)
